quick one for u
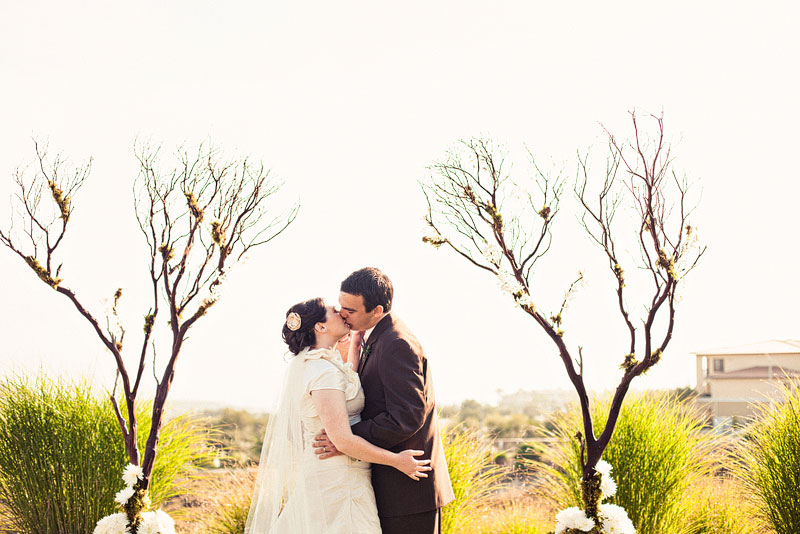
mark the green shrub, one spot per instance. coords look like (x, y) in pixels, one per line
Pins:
(240, 435)
(657, 451)
(62, 455)
(770, 462)
(524, 458)
(473, 474)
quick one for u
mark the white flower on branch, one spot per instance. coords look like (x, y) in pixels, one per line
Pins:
(573, 518)
(215, 290)
(132, 474)
(607, 485)
(615, 520)
(525, 300)
(157, 522)
(509, 283)
(112, 524)
(122, 496)
(492, 254)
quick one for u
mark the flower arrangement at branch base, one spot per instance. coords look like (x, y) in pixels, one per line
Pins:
(133, 519)
(612, 518)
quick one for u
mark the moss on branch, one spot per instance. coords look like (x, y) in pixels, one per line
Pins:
(43, 273)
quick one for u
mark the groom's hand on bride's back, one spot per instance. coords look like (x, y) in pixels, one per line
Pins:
(324, 447)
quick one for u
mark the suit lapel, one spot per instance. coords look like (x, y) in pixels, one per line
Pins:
(381, 327)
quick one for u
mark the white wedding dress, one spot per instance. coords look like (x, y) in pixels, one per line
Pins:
(296, 492)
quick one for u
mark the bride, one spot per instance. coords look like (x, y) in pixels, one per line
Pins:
(296, 492)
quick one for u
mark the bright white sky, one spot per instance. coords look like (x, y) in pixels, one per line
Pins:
(349, 102)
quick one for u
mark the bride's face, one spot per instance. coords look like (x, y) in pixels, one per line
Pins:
(334, 322)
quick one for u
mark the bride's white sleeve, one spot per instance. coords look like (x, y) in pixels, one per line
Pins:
(321, 374)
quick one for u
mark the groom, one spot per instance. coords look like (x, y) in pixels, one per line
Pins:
(399, 411)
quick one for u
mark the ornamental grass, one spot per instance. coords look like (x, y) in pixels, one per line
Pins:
(769, 461)
(717, 507)
(514, 512)
(657, 452)
(62, 455)
(474, 476)
(232, 494)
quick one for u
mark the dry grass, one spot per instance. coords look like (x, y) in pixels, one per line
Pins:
(515, 511)
(720, 505)
(219, 502)
(718, 508)
(222, 496)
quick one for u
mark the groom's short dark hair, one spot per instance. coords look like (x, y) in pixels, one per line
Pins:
(371, 284)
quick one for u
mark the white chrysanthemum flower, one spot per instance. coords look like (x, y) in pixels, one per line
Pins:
(158, 522)
(508, 283)
(113, 524)
(604, 468)
(122, 496)
(132, 474)
(607, 485)
(615, 519)
(573, 517)
(492, 254)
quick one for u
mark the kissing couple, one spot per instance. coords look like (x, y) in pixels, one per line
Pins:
(354, 447)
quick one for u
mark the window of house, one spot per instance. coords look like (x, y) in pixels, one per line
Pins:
(719, 365)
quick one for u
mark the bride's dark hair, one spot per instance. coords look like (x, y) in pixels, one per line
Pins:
(311, 312)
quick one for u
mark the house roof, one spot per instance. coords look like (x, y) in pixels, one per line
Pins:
(772, 346)
(759, 372)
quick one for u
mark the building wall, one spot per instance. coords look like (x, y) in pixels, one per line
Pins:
(734, 409)
(702, 388)
(734, 362)
(735, 388)
(728, 397)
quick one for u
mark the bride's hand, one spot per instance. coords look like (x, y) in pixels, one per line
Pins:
(354, 349)
(356, 336)
(412, 467)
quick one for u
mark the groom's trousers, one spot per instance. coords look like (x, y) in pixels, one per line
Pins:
(422, 523)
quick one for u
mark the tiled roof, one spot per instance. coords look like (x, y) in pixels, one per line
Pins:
(760, 372)
(772, 346)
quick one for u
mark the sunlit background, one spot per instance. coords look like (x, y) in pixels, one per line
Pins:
(349, 103)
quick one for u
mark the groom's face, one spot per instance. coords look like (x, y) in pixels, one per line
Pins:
(355, 313)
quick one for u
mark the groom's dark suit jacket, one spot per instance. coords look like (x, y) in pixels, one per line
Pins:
(399, 413)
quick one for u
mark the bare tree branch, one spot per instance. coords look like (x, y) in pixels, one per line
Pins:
(198, 219)
(469, 209)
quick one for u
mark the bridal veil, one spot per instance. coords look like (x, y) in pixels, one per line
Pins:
(280, 502)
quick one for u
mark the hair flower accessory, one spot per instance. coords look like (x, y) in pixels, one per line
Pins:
(293, 321)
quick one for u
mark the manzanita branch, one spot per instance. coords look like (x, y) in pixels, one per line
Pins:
(222, 205)
(465, 193)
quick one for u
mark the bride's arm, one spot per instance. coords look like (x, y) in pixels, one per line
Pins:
(330, 404)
